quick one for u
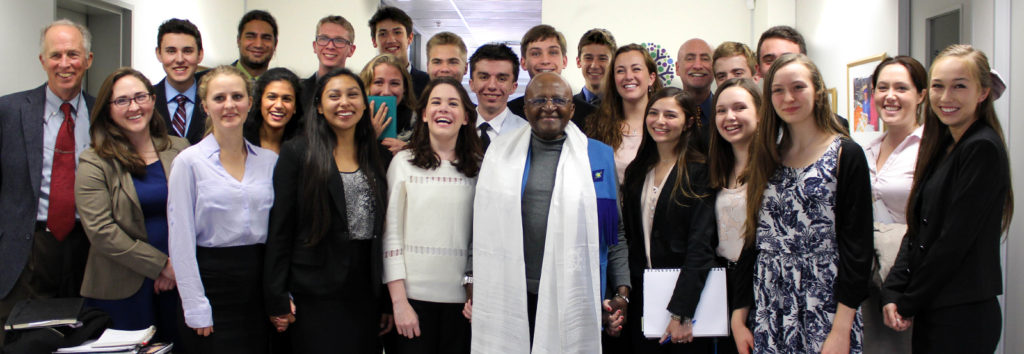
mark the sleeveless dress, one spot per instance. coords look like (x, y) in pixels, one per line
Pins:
(795, 275)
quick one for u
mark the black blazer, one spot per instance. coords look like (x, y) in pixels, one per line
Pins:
(294, 267)
(579, 116)
(196, 127)
(683, 235)
(308, 91)
(953, 257)
(21, 172)
(420, 79)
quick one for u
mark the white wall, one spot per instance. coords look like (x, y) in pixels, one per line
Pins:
(296, 30)
(1013, 299)
(19, 66)
(839, 32)
(668, 23)
(217, 22)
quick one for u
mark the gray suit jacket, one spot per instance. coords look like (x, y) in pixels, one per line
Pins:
(120, 257)
(21, 172)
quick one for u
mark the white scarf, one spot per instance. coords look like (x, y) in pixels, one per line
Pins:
(568, 306)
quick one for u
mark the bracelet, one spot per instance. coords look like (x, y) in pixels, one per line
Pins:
(676, 317)
(622, 297)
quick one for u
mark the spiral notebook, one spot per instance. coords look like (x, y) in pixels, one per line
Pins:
(712, 316)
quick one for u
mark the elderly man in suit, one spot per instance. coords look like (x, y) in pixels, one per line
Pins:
(180, 50)
(42, 131)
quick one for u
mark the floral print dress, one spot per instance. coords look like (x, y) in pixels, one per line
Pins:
(795, 275)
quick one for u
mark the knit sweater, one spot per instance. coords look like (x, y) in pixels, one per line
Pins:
(428, 230)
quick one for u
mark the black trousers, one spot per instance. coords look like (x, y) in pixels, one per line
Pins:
(342, 324)
(54, 269)
(443, 329)
(967, 328)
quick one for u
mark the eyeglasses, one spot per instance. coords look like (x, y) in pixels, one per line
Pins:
(140, 99)
(540, 101)
(339, 42)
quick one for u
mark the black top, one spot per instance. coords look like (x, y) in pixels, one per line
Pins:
(419, 81)
(293, 266)
(583, 110)
(308, 91)
(854, 234)
(683, 235)
(953, 257)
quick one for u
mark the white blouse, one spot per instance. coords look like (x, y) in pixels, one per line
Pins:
(891, 183)
(731, 213)
(429, 229)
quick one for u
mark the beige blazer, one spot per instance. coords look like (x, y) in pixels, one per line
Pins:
(120, 257)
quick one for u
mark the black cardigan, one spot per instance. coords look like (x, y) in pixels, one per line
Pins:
(953, 257)
(683, 235)
(854, 234)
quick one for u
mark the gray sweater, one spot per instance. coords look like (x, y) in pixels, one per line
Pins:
(544, 155)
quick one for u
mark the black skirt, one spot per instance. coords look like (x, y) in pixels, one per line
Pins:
(233, 280)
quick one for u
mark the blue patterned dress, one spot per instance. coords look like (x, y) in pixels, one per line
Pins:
(795, 275)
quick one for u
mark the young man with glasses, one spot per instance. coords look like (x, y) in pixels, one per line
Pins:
(333, 45)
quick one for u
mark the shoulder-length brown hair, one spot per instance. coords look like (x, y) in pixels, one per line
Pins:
(109, 140)
(936, 134)
(605, 125)
(468, 149)
(409, 95)
(721, 158)
(764, 150)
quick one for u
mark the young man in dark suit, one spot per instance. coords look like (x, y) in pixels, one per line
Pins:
(333, 45)
(180, 50)
(391, 32)
(543, 50)
(594, 58)
(42, 246)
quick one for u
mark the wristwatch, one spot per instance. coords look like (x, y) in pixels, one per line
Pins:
(622, 297)
(467, 279)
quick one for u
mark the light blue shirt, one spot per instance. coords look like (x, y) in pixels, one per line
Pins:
(172, 105)
(52, 119)
(589, 96)
(207, 207)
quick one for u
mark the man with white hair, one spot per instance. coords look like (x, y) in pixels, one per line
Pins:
(42, 132)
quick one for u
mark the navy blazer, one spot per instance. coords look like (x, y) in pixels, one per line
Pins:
(952, 256)
(21, 172)
(197, 127)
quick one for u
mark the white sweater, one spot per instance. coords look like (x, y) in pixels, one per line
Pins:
(428, 231)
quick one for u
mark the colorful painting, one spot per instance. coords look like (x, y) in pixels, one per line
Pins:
(865, 118)
(860, 109)
(663, 59)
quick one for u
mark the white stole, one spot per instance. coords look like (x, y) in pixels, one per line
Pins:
(568, 307)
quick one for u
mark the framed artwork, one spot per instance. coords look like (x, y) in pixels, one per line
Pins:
(859, 106)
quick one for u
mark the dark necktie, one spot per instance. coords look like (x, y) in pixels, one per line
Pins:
(60, 215)
(485, 139)
(179, 115)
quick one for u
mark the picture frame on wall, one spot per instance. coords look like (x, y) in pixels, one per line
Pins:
(859, 106)
(833, 97)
